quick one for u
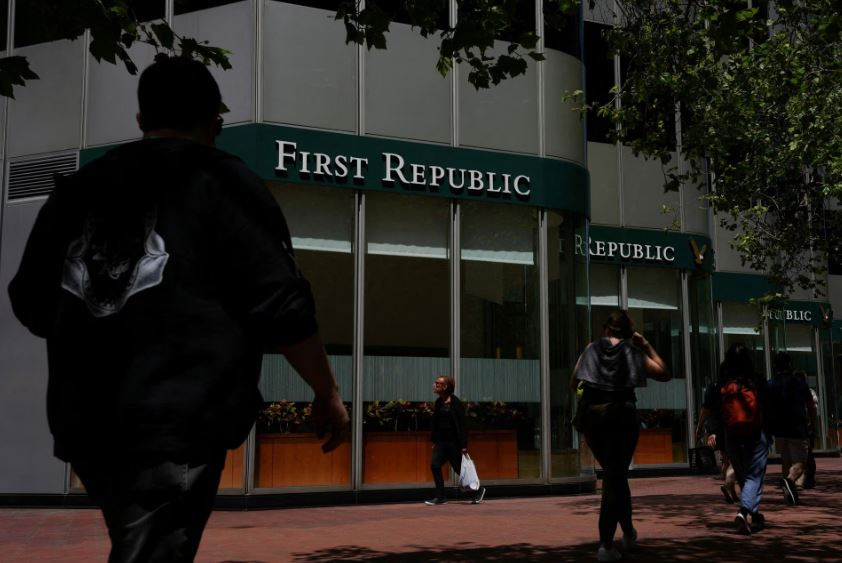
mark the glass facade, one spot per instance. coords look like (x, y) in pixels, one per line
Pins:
(406, 333)
(500, 362)
(410, 288)
(654, 304)
(286, 452)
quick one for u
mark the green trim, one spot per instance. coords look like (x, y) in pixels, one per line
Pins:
(544, 182)
(741, 288)
(836, 331)
(636, 247)
(731, 286)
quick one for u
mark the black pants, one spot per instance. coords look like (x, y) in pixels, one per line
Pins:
(153, 512)
(445, 452)
(612, 430)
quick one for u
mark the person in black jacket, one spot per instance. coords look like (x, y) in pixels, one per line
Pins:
(610, 369)
(159, 274)
(449, 436)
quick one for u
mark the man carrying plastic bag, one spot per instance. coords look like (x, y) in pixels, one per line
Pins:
(450, 442)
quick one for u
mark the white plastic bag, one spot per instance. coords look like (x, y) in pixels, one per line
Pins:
(468, 479)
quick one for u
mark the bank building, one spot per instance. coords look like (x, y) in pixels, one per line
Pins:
(445, 230)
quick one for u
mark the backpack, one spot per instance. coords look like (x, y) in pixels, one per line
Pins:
(740, 408)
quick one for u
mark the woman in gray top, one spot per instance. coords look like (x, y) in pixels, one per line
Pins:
(610, 369)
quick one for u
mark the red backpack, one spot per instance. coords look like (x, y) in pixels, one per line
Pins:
(740, 409)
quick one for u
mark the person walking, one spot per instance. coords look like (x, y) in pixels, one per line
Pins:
(709, 427)
(449, 436)
(793, 414)
(159, 274)
(610, 369)
(743, 406)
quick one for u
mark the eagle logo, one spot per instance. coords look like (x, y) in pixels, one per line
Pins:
(698, 254)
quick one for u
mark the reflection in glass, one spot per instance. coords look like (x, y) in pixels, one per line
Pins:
(742, 322)
(407, 333)
(500, 339)
(705, 366)
(288, 453)
(654, 298)
(569, 334)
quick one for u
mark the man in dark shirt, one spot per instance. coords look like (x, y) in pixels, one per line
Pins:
(159, 274)
(793, 415)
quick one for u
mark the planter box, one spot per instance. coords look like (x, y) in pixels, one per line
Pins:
(296, 460)
(654, 446)
(232, 473)
(405, 457)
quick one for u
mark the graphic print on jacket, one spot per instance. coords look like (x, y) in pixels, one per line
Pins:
(113, 259)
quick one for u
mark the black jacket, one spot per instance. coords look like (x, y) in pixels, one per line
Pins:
(157, 274)
(457, 414)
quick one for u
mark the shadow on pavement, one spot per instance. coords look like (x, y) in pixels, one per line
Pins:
(721, 548)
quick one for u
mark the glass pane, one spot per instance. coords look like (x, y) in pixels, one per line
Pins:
(829, 415)
(801, 345)
(654, 308)
(836, 408)
(569, 334)
(184, 6)
(288, 454)
(702, 335)
(604, 295)
(500, 363)
(561, 30)
(742, 322)
(407, 333)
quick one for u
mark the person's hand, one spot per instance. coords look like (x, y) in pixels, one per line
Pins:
(330, 417)
(711, 440)
(464, 450)
(639, 340)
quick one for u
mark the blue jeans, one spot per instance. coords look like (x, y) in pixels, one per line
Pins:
(748, 456)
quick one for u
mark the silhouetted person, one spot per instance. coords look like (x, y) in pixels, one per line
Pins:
(793, 415)
(611, 368)
(743, 397)
(158, 274)
(449, 436)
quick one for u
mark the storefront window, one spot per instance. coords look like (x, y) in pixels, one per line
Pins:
(500, 339)
(742, 322)
(605, 295)
(828, 406)
(569, 334)
(288, 453)
(702, 335)
(654, 306)
(407, 333)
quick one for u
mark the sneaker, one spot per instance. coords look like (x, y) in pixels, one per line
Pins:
(480, 495)
(435, 501)
(741, 523)
(790, 492)
(758, 522)
(726, 492)
(630, 540)
(608, 554)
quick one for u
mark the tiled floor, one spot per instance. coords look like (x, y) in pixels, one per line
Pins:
(678, 519)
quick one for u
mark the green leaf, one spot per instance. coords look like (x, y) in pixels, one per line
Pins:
(164, 33)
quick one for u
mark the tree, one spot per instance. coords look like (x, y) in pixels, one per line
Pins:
(114, 28)
(757, 94)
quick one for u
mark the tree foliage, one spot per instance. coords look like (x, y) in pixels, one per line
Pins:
(758, 95)
(114, 28)
(470, 40)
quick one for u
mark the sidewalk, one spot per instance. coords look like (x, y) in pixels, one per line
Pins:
(678, 519)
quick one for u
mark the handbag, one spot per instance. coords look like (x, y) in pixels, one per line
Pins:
(468, 478)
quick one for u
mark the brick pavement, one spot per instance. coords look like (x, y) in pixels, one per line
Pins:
(678, 518)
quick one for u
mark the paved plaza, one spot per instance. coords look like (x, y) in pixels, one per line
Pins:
(678, 519)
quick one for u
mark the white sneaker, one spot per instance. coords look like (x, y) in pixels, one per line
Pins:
(630, 540)
(608, 554)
